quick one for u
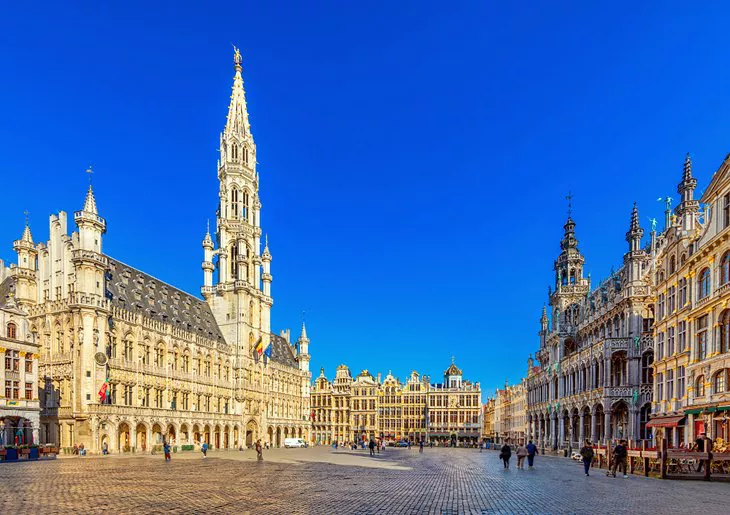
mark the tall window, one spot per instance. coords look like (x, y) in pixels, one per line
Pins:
(660, 386)
(726, 210)
(29, 391)
(724, 332)
(703, 283)
(702, 337)
(234, 202)
(660, 346)
(671, 299)
(29, 363)
(12, 361)
(661, 309)
(128, 395)
(128, 350)
(680, 382)
(245, 205)
(670, 342)
(159, 357)
(12, 389)
(672, 265)
(682, 292)
(700, 387)
(12, 331)
(670, 384)
(682, 331)
(719, 382)
(725, 268)
(234, 256)
(647, 374)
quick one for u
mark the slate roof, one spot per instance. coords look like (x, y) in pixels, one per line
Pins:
(130, 289)
(6, 287)
(282, 352)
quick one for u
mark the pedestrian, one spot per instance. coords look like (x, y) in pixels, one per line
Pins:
(166, 448)
(204, 449)
(701, 444)
(619, 459)
(104, 448)
(420, 446)
(259, 451)
(521, 454)
(586, 453)
(409, 444)
(531, 451)
(505, 454)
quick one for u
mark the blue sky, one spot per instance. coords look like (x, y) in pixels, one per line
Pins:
(414, 157)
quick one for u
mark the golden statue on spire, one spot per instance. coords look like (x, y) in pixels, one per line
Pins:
(236, 55)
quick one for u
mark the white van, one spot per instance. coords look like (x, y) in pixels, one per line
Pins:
(294, 442)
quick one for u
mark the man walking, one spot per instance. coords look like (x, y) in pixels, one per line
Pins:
(420, 446)
(531, 451)
(372, 447)
(703, 444)
(166, 448)
(204, 449)
(619, 459)
(259, 451)
(586, 453)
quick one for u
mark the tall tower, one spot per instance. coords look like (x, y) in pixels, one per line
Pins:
(304, 350)
(237, 298)
(635, 255)
(26, 291)
(688, 207)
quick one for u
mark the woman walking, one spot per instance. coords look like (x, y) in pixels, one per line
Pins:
(586, 453)
(521, 454)
(505, 454)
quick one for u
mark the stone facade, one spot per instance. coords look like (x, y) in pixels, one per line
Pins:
(171, 365)
(589, 382)
(364, 408)
(510, 414)
(692, 329)
(488, 416)
(19, 403)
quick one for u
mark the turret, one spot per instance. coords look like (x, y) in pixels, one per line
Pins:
(208, 266)
(633, 237)
(26, 291)
(688, 207)
(304, 350)
(88, 260)
(91, 225)
(266, 277)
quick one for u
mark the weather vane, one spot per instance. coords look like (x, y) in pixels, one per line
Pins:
(569, 198)
(90, 171)
(26, 216)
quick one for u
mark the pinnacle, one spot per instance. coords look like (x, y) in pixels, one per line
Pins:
(27, 236)
(687, 168)
(90, 202)
(635, 218)
(304, 332)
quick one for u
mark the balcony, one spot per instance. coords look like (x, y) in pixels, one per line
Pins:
(90, 255)
(617, 344)
(79, 299)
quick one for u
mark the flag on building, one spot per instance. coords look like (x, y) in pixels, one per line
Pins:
(103, 391)
(260, 347)
(267, 352)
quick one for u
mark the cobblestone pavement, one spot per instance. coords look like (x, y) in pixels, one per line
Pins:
(320, 480)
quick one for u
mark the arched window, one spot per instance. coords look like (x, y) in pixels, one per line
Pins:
(12, 331)
(245, 155)
(572, 276)
(682, 259)
(647, 371)
(234, 202)
(245, 205)
(700, 387)
(703, 283)
(672, 264)
(719, 382)
(234, 256)
(725, 268)
(724, 332)
(234, 152)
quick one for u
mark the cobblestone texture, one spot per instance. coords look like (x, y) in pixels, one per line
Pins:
(320, 480)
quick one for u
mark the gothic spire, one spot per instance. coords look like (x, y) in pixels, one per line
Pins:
(304, 332)
(90, 202)
(237, 121)
(633, 237)
(27, 236)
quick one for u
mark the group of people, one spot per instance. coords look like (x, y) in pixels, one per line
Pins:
(523, 451)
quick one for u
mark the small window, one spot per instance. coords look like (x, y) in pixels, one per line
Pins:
(12, 331)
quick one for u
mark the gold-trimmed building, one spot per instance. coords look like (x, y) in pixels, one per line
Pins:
(169, 364)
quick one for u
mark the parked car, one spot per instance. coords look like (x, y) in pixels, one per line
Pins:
(401, 443)
(294, 442)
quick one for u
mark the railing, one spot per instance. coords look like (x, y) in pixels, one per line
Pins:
(55, 358)
(159, 413)
(614, 344)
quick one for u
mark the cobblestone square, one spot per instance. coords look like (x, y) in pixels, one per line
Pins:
(321, 480)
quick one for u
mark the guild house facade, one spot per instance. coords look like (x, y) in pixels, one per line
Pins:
(127, 359)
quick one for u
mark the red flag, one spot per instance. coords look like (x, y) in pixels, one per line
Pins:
(102, 392)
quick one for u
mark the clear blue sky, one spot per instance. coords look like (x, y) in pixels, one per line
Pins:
(414, 157)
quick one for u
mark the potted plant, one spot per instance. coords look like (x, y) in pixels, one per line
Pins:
(33, 452)
(11, 453)
(23, 450)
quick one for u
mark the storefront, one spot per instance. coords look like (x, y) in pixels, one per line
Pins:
(670, 428)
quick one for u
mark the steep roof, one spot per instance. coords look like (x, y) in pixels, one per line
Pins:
(7, 286)
(282, 352)
(453, 370)
(133, 290)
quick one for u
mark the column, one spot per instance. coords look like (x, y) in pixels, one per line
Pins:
(553, 432)
(593, 426)
(581, 429)
(607, 425)
(561, 425)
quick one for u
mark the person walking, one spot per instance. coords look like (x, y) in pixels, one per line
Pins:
(420, 446)
(701, 444)
(259, 451)
(521, 454)
(105, 449)
(505, 454)
(619, 459)
(531, 451)
(372, 447)
(204, 449)
(586, 453)
(166, 448)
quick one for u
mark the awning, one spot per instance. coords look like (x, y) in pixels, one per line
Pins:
(723, 408)
(692, 411)
(665, 421)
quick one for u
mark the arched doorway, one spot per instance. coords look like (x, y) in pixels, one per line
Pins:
(206, 434)
(575, 429)
(271, 436)
(586, 424)
(566, 429)
(226, 437)
(236, 440)
(141, 442)
(171, 435)
(156, 434)
(197, 436)
(217, 437)
(278, 437)
(600, 418)
(184, 434)
(620, 420)
(250, 433)
(124, 439)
